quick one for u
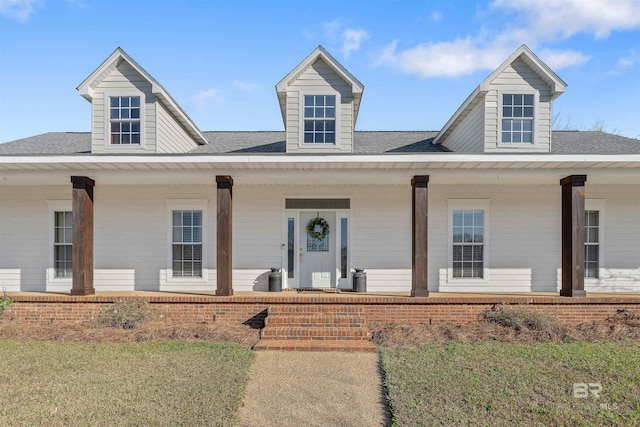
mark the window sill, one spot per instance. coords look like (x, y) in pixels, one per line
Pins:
(187, 280)
(467, 281)
(320, 145)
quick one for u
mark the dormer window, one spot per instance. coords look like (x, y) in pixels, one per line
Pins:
(319, 119)
(517, 118)
(125, 120)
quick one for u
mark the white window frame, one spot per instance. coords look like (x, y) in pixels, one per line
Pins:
(187, 205)
(53, 283)
(599, 206)
(534, 124)
(317, 145)
(108, 94)
(468, 205)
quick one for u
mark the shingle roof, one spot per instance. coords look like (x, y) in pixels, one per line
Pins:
(366, 142)
(50, 143)
(592, 142)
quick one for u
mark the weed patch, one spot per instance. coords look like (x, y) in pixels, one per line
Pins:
(520, 318)
(124, 314)
(5, 300)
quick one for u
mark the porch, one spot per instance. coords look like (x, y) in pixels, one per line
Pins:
(251, 308)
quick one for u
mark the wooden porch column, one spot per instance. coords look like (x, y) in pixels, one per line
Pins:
(82, 249)
(573, 236)
(224, 264)
(419, 205)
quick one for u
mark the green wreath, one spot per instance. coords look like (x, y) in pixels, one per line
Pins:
(314, 224)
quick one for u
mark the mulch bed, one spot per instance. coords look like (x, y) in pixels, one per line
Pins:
(148, 331)
(623, 326)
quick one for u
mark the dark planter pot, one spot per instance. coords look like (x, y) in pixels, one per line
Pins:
(275, 280)
(360, 280)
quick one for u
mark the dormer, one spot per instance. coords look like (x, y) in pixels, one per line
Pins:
(509, 112)
(319, 101)
(132, 113)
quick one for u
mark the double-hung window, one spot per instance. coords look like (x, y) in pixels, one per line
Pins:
(319, 119)
(124, 120)
(62, 244)
(517, 118)
(468, 244)
(186, 246)
(591, 244)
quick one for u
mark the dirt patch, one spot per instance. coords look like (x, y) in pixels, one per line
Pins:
(149, 331)
(298, 388)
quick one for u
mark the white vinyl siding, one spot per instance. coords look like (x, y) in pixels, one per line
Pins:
(380, 241)
(524, 235)
(518, 78)
(468, 136)
(122, 80)
(319, 79)
(172, 138)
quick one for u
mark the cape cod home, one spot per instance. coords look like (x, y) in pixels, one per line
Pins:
(495, 201)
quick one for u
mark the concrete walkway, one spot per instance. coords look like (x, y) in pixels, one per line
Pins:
(294, 388)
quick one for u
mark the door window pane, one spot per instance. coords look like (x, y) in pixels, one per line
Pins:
(344, 233)
(290, 247)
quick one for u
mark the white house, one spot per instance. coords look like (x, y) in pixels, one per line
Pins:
(493, 202)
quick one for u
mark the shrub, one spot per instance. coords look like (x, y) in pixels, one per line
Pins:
(124, 314)
(521, 318)
(5, 300)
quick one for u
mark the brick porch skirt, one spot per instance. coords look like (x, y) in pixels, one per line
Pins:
(252, 310)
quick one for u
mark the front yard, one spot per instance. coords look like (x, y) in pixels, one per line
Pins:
(507, 384)
(156, 383)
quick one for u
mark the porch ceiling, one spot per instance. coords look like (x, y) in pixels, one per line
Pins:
(444, 168)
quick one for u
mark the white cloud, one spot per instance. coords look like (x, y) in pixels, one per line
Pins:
(536, 23)
(436, 16)
(562, 19)
(626, 62)
(558, 59)
(448, 59)
(246, 87)
(332, 29)
(203, 98)
(20, 10)
(351, 39)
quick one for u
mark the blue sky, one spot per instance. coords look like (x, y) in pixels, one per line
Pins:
(418, 60)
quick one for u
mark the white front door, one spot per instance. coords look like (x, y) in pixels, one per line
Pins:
(317, 256)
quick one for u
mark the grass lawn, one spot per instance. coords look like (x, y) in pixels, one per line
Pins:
(507, 384)
(161, 383)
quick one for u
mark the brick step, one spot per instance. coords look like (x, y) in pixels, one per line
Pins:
(320, 319)
(314, 345)
(316, 333)
(316, 308)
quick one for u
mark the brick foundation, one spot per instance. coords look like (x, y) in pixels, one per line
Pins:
(253, 310)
